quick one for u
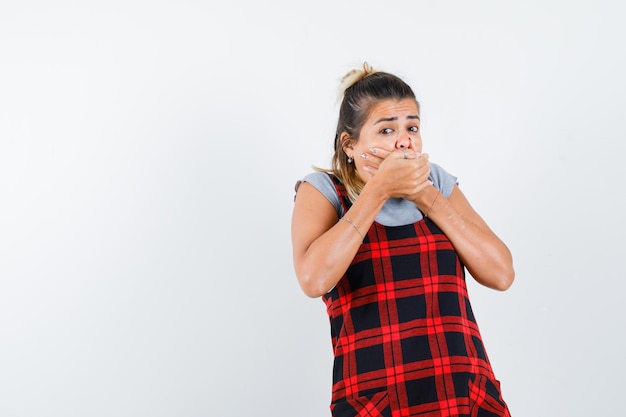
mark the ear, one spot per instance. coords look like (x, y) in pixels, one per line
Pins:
(347, 143)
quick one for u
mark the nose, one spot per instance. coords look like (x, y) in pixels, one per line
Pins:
(403, 142)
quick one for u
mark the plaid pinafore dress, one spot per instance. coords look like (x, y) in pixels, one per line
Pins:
(404, 337)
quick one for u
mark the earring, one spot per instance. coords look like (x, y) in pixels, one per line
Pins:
(350, 159)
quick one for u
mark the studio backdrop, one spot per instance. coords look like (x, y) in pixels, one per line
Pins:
(148, 157)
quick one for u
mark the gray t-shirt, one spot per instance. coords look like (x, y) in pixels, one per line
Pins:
(395, 211)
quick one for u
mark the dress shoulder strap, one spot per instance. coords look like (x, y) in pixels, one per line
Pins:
(341, 192)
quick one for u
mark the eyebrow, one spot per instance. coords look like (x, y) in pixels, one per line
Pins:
(393, 119)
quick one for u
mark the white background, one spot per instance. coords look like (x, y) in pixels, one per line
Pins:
(148, 153)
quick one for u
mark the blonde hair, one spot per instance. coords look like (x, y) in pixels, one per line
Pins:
(352, 77)
(359, 90)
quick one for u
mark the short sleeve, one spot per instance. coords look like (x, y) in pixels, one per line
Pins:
(322, 182)
(442, 180)
(395, 211)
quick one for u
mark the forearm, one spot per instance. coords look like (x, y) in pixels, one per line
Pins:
(328, 257)
(484, 255)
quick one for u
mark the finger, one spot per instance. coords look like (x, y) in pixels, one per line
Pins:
(422, 159)
(403, 153)
(407, 153)
(370, 170)
(371, 158)
(379, 152)
(421, 187)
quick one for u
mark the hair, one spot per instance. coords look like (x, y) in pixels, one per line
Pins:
(359, 90)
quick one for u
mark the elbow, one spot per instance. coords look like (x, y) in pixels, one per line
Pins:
(312, 291)
(311, 286)
(505, 279)
(498, 278)
(315, 278)
(505, 275)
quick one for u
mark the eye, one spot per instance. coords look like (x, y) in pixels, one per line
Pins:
(414, 128)
(386, 131)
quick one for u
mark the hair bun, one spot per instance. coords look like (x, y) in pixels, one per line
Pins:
(354, 76)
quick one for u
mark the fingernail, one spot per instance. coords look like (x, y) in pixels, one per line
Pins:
(364, 156)
(373, 150)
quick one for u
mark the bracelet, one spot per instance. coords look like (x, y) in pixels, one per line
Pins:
(432, 204)
(354, 225)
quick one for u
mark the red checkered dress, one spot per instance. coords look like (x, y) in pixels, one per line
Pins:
(404, 336)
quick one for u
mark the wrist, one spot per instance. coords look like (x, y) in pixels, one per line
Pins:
(376, 190)
(426, 198)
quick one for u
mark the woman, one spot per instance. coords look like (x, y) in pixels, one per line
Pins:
(384, 237)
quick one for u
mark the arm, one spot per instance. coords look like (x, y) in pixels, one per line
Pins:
(323, 246)
(485, 256)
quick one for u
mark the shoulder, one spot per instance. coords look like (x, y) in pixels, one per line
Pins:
(317, 177)
(442, 179)
(323, 183)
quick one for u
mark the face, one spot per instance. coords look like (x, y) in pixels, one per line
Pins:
(391, 125)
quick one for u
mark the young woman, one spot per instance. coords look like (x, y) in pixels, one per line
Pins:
(384, 236)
